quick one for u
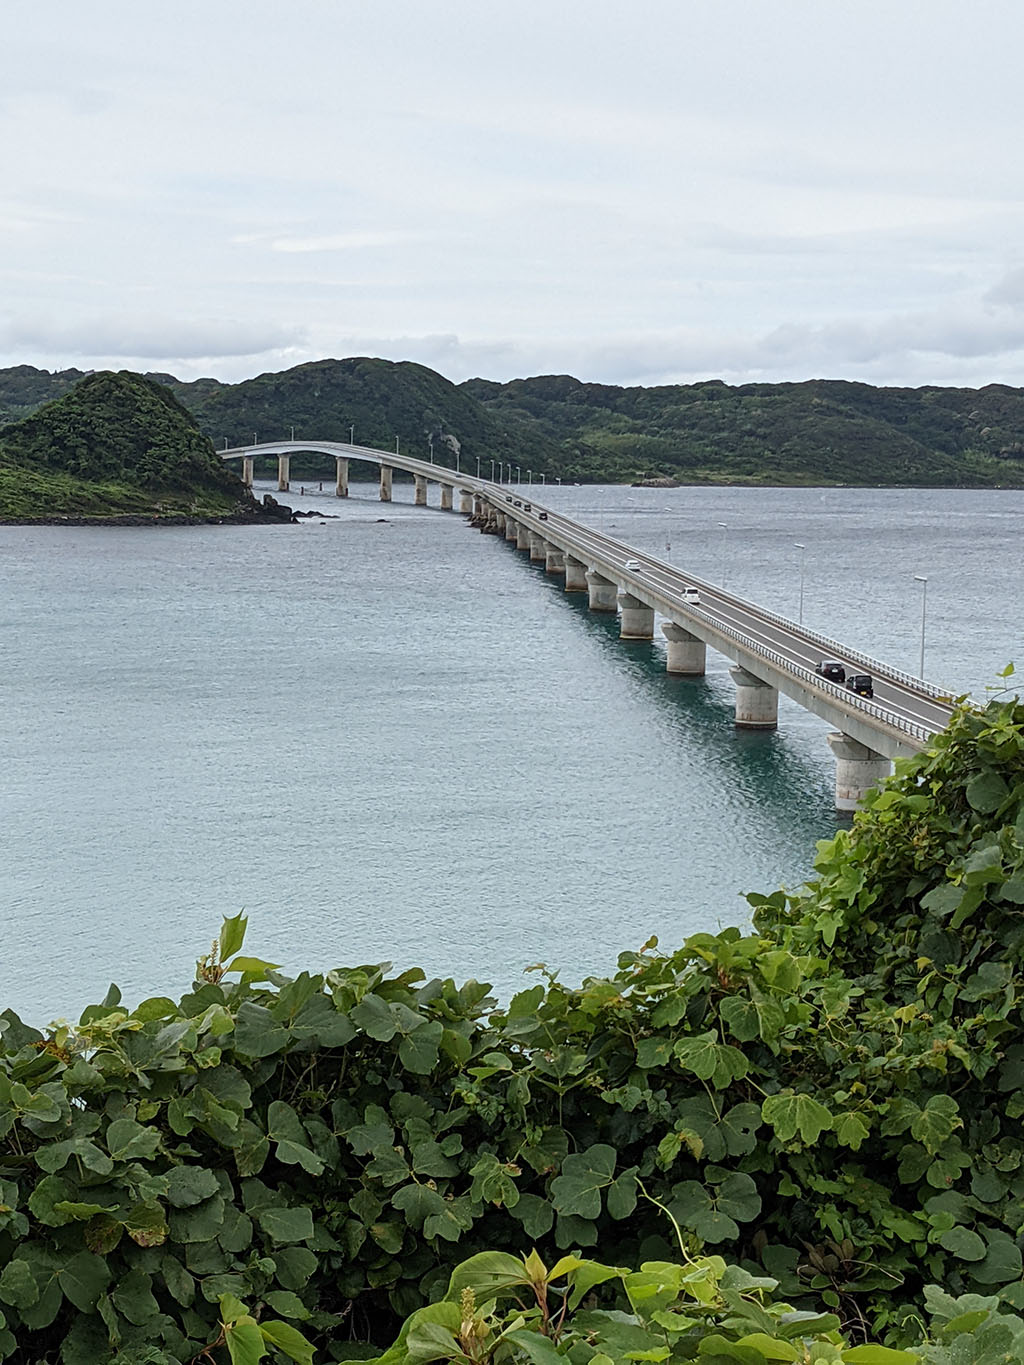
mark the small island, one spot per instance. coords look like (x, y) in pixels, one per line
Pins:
(119, 449)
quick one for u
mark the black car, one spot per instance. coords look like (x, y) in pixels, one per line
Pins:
(831, 669)
(862, 684)
(543, 516)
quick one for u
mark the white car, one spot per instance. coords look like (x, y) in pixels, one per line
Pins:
(691, 597)
(633, 564)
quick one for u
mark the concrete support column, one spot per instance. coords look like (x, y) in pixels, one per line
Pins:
(575, 575)
(465, 502)
(385, 483)
(479, 507)
(341, 477)
(247, 470)
(511, 529)
(420, 495)
(858, 769)
(283, 461)
(554, 561)
(637, 618)
(602, 593)
(522, 537)
(538, 548)
(757, 702)
(446, 497)
(686, 654)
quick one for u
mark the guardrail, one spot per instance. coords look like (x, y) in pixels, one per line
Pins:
(851, 699)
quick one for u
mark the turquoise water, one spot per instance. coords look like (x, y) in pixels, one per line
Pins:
(397, 740)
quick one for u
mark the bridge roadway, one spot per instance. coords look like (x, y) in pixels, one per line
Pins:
(770, 654)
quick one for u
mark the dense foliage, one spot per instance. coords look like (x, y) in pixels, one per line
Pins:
(114, 443)
(506, 1310)
(818, 432)
(832, 1101)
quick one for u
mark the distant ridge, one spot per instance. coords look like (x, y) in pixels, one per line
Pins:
(817, 432)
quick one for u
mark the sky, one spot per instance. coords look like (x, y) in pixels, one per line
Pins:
(659, 191)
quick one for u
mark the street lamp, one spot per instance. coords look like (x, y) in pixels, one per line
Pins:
(492, 471)
(254, 441)
(723, 526)
(801, 548)
(352, 435)
(430, 443)
(529, 475)
(293, 433)
(920, 578)
(478, 466)
(396, 445)
(543, 480)
(519, 476)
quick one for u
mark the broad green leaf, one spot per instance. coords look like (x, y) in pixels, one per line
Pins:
(18, 1285)
(286, 1225)
(187, 1185)
(850, 1130)
(232, 935)
(245, 1342)
(289, 1340)
(584, 1174)
(488, 1274)
(790, 1114)
(83, 1278)
(936, 1122)
(129, 1141)
(878, 1355)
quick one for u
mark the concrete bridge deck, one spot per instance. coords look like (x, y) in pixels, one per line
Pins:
(770, 654)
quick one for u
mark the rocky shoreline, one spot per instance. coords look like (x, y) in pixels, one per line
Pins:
(267, 512)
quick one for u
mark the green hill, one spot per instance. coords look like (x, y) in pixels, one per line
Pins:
(817, 432)
(115, 445)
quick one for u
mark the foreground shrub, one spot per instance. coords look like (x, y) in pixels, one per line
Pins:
(832, 1101)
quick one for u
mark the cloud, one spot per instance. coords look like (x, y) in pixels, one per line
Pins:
(345, 241)
(145, 338)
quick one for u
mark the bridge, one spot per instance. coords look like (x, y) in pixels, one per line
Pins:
(769, 654)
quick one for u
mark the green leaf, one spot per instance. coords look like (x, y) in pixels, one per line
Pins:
(963, 1243)
(987, 791)
(187, 1185)
(790, 1114)
(129, 1141)
(584, 1174)
(418, 1051)
(719, 1063)
(245, 1342)
(936, 1122)
(373, 1015)
(878, 1355)
(850, 1130)
(232, 935)
(83, 1278)
(18, 1285)
(288, 1339)
(286, 1225)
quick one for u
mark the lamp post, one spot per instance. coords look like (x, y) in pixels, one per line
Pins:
(519, 476)
(352, 435)
(492, 471)
(723, 526)
(396, 445)
(254, 441)
(478, 466)
(430, 443)
(920, 578)
(529, 475)
(293, 433)
(543, 480)
(802, 549)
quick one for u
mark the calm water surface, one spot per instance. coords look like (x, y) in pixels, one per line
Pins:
(396, 740)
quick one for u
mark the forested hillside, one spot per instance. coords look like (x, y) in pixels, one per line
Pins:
(817, 432)
(114, 444)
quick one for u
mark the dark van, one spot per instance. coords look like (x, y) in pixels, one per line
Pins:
(862, 684)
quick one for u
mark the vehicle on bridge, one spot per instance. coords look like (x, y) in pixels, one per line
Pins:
(831, 669)
(691, 597)
(861, 683)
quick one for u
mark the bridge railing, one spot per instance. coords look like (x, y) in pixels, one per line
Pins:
(850, 699)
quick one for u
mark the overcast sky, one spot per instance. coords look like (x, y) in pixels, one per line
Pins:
(637, 192)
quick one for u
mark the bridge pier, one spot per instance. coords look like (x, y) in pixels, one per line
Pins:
(465, 502)
(420, 495)
(757, 702)
(553, 560)
(511, 530)
(575, 575)
(247, 470)
(858, 769)
(602, 593)
(686, 654)
(637, 621)
(385, 483)
(522, 537)
(283, 462)
(538, 549)
(340, 477)
(446, 497)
